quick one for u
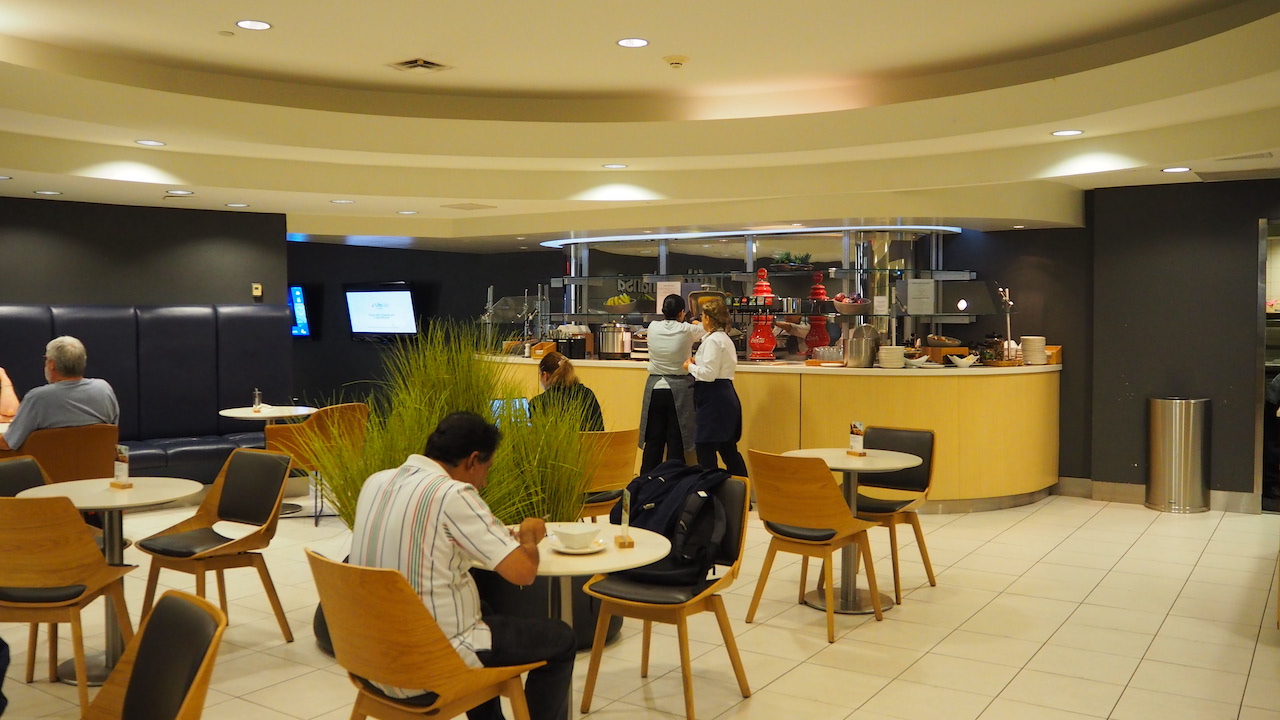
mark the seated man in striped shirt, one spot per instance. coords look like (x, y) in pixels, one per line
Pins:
(427, 520)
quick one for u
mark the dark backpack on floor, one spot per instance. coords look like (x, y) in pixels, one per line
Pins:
(678, 501)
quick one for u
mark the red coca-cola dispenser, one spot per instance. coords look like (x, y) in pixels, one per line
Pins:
(761, 341)
(818, 335)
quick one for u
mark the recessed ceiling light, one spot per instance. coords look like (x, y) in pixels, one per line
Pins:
(521, 238)
(633, 42)
(47, 192)
(648, 231)
(797, 224)
(1176, 169)
(342, 202)
(614, 166)
(150, 143)
(254, 25)
(406, 212)
(1018, 227)
(180, 192)
(237, 204)
(524, 247)
(5, 177)
(1067, 133)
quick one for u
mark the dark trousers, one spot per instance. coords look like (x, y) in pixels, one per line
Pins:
(4, 667)
(662, 431)
(733, 461)
(517, 641)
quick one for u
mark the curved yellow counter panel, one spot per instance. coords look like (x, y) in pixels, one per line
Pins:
(996, 429)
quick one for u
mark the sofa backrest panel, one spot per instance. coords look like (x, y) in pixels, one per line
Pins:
(254, 351)
(177, 371)
(24, 331)
(110, 337)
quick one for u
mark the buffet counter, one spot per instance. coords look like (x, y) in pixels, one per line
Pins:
(996, 429)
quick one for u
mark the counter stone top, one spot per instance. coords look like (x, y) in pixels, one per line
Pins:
(796, 366)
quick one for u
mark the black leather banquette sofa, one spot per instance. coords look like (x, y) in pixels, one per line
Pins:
(173, 368)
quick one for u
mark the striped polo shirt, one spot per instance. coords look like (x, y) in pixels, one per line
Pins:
(433, 529)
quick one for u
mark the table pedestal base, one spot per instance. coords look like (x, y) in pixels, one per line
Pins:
(860, 605)
(94, 663)
(289, 509)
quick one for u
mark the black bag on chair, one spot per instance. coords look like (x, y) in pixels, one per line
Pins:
(678, 501)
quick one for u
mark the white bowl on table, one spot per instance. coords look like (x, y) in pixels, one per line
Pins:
(576, 536)
(963, 362)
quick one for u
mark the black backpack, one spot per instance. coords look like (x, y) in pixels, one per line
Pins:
(678, 501)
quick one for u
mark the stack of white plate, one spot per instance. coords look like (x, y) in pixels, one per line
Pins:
(1033, 350)
(892, 356)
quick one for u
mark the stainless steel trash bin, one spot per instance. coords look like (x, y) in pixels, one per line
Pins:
(1178, 479)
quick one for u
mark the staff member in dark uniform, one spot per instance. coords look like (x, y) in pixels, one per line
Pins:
(719, 414)
(666, 415)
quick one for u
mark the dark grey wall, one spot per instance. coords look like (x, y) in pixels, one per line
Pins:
(452, 285)
(1177, 312)
(60, 252)
(1050, 277)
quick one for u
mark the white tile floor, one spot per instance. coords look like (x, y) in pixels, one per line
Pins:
(1068, 608)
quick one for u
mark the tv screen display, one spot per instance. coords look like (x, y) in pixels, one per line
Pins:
(298, 304)
(381, 310)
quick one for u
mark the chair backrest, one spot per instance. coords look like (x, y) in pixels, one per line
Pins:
(799, 492)
(20, 473)
(251, 487)
(735, 497)
(914, 442)
(615, 466)
(164, 673)
(45, 543)
(346, 420)
(380, 629)
(74, 453)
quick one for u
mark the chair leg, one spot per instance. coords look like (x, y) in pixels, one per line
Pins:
(804, 577)
(82, 670)
(200, 590)
(830, 596)
(33, 639)
(645, 636)
(760, 581)
(122, 611)
(893, 553)
(864, 544)
(53, 652)
(514, 692)
(222, 592)
(261, 564)
(730, 645)
(914, 519)
(597, 650)
(153, 578)
(686, 669)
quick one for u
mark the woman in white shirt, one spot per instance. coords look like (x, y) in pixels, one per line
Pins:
(666, 415)
(719, 414)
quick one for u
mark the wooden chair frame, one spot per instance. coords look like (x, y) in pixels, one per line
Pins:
(232, 554)
(383, 633)
(673, 614)
(44, 544)
(614, 470)
(72, 453)
(294, 439)
(904, 515)
(109, 702)
(799, 492)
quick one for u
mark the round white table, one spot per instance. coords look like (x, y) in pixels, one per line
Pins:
(97, 494)
(850, 599)
(269, 413)
(649, 547)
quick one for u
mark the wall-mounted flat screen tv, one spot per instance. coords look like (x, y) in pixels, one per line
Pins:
(381, 310)
(298, 305)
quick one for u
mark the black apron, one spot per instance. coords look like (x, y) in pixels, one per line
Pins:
(718, 411)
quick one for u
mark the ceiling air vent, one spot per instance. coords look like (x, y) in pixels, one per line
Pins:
(1230, 175)
(420, 66)
(470, 206)
(1254, 156)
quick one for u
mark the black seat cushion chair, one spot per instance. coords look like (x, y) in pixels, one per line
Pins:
(169, 656)
(18, 474)
(800, 533)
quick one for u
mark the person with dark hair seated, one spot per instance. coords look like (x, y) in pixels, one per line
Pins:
(560, 385)
(426, 519)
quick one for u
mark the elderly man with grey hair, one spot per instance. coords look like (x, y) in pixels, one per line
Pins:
(69, 400)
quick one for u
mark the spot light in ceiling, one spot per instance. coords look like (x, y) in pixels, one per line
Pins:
(342, 202)
(1067, 133)
(5, 177)
(633, 42)
(1176, 169)
(238, 205)
(47, 192)
(150, 143)
(613, 166)
(180, 192)
(406, 212)
(1018, 227)
(254, 25)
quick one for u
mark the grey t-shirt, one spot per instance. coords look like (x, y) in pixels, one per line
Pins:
(68, 403)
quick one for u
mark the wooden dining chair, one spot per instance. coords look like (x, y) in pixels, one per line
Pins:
(804, 512)
(892, 512)
(72, 453)
(382, 633)
(345, 422)
(248, 491)
(673, 604)
(51, 569)
(614, 469)
(164, 673)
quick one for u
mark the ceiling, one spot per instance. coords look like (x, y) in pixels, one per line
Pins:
(814, 111)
